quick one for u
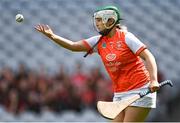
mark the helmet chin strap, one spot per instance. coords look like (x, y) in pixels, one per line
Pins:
(105, 32)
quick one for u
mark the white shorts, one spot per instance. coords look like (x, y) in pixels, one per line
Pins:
(148, 101)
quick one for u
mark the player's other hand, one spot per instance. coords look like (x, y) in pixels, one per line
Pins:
(45, 29)
(154, 86)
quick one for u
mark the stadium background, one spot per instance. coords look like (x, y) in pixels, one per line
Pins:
(39, 81)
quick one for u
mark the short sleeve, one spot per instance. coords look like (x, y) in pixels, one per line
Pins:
(90, 42)
(134, 43)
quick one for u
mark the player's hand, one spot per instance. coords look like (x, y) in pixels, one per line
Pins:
(154, 86)
(45, 29)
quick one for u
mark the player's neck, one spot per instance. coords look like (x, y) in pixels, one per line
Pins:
(112, 33)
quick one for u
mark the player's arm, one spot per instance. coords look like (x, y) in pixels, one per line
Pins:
(139, 49)
(151, 67)
(68, 44)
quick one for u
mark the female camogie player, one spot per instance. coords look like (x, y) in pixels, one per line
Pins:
(122, 54)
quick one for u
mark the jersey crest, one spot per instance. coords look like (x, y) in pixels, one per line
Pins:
(110, 57)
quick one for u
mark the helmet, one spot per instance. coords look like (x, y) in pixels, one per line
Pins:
(108, 12)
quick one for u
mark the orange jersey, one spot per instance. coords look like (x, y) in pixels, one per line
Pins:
(120, 57)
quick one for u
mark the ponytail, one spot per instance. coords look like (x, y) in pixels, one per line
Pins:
(122, 27)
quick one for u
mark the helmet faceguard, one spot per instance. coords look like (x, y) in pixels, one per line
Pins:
(106, 15)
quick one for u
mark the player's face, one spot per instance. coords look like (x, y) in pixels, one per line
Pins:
(99, 24)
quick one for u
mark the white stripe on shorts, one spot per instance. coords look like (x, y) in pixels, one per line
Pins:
(148, 101)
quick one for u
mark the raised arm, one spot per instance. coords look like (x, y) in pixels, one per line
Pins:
(77, 46)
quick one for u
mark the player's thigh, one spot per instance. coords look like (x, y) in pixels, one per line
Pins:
(120, 117)
(136, 114)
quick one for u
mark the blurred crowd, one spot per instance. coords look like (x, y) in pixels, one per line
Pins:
(30, 90)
